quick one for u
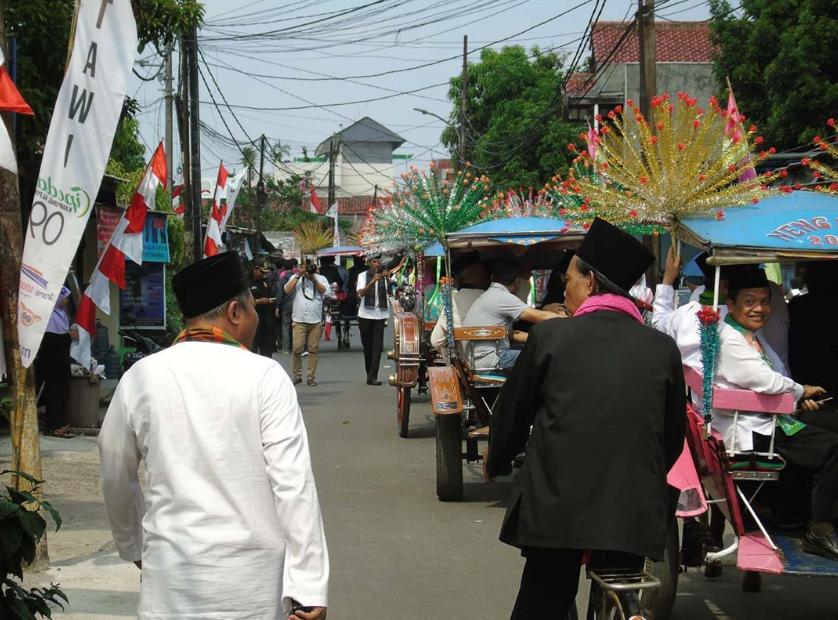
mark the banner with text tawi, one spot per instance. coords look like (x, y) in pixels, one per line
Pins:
(77, 148)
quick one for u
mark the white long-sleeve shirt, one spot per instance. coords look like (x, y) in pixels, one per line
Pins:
(461, 302)
(741, 366)
(229, 525)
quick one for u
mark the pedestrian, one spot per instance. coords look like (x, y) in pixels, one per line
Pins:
(599, 402)
(373, 312)
(349, 306)
(285, 303)
(309, 289)
(263, 293)
(229, 525)
(53, 367)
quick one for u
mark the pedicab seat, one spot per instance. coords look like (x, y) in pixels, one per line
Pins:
(465, 337)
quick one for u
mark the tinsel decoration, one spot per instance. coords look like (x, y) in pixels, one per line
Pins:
(311, 236)
(448, 308)
(821, 171)
(426, 210)
(708, 331)
(686, 162)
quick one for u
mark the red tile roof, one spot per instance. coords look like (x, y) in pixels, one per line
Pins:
(578, 83)
(676, 42)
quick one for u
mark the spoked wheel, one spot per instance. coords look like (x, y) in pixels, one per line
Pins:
(403, 409)
(661, 601)
(449, 458)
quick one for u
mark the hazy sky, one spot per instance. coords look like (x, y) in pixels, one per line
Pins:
(338, 39)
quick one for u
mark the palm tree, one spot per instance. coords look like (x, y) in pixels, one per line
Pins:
(248, 156)
(280, 151)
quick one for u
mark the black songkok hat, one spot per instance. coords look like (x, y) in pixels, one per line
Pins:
(615, 254)
(210, 282)
(743, 277)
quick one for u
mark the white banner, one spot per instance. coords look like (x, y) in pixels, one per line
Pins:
(78, 145)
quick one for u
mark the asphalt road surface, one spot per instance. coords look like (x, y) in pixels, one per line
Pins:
(397, 552)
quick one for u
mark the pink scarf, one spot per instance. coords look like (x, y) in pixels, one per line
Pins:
(609, 301)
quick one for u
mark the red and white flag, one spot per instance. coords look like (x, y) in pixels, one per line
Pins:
(315, 206)
(212, 242)
(234, 186)
(126, 240)
(736, 132)
(130, 242)
(10, 101)
(178, 206)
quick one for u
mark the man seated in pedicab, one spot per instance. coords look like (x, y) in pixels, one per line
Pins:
(813, 350)
(599, 402)
(471, 278)
(498, 306)
(747, 361)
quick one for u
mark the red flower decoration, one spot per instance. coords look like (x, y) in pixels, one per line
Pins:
(659, 125)
(681, 146)
(644, 180)
(785, 189)
(633, 213)
(805, 161)
(586, 225)
(759, 140)
(797, 186)
(833, 187)
(817, 174)
(731, 168)
(720, 215)
(831, 122)
(618, 109)
(612, 115)
(784, 174)
(696, 123)
(772, 150)
(702, 178)
(752, 128)
(653, 139)
(571, 147)
(630, 103)
(708, 316)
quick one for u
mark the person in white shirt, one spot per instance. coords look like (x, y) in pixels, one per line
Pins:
(497, 306)
(373, 311)
(471, 278)
(228, 523)
(307, 317)
(747, 361)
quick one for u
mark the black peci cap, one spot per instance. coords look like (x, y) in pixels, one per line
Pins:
(615, 254)
(210, 282)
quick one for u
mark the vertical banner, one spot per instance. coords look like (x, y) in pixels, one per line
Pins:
(77, 148)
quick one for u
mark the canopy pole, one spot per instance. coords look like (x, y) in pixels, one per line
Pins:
(716, 287)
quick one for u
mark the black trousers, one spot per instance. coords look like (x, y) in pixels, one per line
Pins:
(551, 578)
(53, 371)
(813, 453)
(372, 339)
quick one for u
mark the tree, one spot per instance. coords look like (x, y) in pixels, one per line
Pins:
(280, 151)
(514, 130)
(779, 57)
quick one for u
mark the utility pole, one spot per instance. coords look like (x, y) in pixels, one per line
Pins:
(648, 89)
(461, 159)
(191, 42)
(261, 197)
(183, 130)
(648, 45)
(26, 447)
(332, 157)
(168, 93)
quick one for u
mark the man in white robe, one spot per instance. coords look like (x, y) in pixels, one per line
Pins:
(229, 525)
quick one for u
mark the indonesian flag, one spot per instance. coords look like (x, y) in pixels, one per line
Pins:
(315, 206)
(130, 242)
(736, 132)
(212, 242)
(10, 101)
(234, 186)
(178, 207)
(126, 240)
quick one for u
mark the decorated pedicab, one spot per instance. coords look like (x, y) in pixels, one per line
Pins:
(682, 166)
(415, 223)
(802, 226)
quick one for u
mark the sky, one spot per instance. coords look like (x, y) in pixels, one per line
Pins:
(276, 63)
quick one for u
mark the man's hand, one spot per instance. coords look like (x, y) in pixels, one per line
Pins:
(316, 613)
(810, 391)
(557, 308)
(673, 267)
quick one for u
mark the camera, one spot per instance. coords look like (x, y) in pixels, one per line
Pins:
(379, 270)
(310, 267)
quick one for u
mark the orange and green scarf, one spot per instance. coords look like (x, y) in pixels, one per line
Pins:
(205, 334)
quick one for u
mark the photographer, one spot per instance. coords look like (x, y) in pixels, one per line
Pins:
(309, 288)
(372, 314)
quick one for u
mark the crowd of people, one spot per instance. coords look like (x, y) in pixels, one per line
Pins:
(598, 401)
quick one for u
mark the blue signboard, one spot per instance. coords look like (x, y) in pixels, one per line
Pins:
(142, 303)
(155, 239)
(800, 221)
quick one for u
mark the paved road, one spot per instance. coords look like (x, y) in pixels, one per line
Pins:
(397, 552)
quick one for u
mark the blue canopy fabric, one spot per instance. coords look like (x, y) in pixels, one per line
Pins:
(518, 230)
(353, 250)
(800, 222)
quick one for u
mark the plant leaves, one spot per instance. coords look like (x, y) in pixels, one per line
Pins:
(53, 513)
(7, 508)
(33, 523)
(22, 474)
(10, 536)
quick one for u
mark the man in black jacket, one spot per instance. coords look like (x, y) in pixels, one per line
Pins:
(604, 396)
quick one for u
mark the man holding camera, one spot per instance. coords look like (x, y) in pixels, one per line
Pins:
(307, 317)
(372, 314)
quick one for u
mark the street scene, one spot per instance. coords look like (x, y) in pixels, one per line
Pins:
(407, 309)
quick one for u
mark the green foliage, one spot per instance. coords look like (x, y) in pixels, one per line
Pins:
(780, 58)
(21, 527)
(514, 130)
(161, 21)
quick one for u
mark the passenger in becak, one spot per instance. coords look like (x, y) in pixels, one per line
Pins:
(229, 525)
(604, 397)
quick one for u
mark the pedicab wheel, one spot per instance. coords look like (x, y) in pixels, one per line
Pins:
(661, 601)
(449, 458)
(403, 409)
